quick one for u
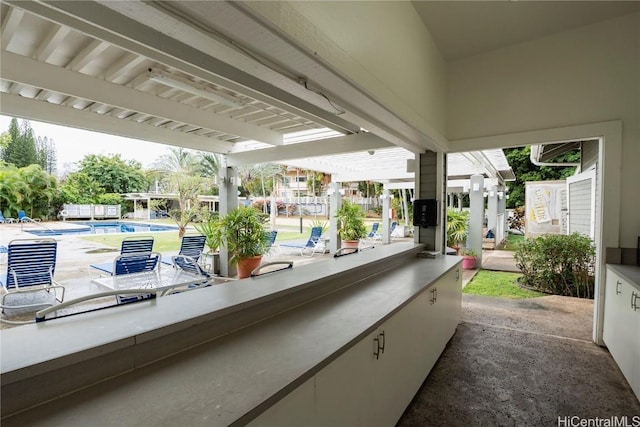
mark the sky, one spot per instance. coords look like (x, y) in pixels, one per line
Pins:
(73, 144)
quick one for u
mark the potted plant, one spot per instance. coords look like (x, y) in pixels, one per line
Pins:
(457, 224)
(351, 226)
(242, 233)
(468, 259)
(209, 229)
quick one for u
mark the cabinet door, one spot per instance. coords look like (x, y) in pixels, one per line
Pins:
(295, 409)
(622, 327)
(343, 389)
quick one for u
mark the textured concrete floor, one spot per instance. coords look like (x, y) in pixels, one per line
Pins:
(522, 363)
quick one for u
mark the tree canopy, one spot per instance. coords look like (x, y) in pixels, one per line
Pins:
(27, 188)
(526, 171)
(20, 147)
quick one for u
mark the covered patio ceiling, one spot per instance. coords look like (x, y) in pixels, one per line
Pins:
(170, 73)
(212, 76)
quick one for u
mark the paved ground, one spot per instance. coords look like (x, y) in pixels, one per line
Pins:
(522, 363)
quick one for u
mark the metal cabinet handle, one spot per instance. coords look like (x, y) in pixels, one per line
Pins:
(376, 352)
(634, 301)
(618, 291)
(433, 297)
(457, 273)
(379, 341)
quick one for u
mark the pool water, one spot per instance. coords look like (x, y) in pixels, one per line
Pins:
(102, 227)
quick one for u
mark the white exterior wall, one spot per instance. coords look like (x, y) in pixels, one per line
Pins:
(381, 46)
(577, 77)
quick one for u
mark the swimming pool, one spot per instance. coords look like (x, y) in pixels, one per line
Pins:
(102, 227)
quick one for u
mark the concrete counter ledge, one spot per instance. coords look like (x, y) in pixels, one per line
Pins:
(212, 356)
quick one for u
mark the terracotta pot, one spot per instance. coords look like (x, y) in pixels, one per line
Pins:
(247, 265)
(468, 262)
(351, 244)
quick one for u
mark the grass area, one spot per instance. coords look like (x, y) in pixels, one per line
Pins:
(163, 241)
(512, 242)
(498, 284)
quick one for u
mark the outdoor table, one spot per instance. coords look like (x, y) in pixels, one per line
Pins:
(161, 280)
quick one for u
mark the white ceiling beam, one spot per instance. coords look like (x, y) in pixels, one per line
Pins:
(18, 106)
(21, 69)
(125, 63)
(51, 42)
(88, 53)
(322, 147)
(135, 32)
(10, 24)
(375, 175)
(398, 185)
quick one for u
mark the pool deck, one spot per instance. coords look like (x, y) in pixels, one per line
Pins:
(75, 254)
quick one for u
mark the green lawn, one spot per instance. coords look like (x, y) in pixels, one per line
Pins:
(512, 242)
(163, 241)
(498, 284)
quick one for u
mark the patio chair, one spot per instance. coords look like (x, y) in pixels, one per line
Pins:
(190, 265)
(130, 245)
(4, 220)
(373, 235)
(132, 263)
(272, 248)
(191, 246)
(22, 217)
(30, 268)
(311, 246)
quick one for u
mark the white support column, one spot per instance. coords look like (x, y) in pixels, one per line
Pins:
(334, 205)
(274, 211)
(386, 224)
(492, 209)
(228, 201)
(502, 209)
(476, 216)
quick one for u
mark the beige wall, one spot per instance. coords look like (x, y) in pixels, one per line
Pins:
(582, 76)
(381, 46)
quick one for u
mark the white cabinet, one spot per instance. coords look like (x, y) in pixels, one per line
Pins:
(373, 382)
(622, 326)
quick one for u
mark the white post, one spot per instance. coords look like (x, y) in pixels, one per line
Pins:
(228, 202)
(386, 198)
(334, 205)
(476, 216)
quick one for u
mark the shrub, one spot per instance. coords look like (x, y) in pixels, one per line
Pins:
(558, 264)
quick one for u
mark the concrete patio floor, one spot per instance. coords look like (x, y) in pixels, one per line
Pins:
(524, 362)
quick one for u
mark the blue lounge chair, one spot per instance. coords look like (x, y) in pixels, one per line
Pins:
(311, 246)
(30, 268)
(22, 217)
(190, 265)
(4, 220)
(272, 248)
(130, 245)
(191, 246)
(131, 263)
(374, 235)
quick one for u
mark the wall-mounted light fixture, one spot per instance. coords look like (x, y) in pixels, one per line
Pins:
(476, 186)
(386, 196)
(331, 191)
(485, 194)
(500, 194)
(492, 193)
(193, 88)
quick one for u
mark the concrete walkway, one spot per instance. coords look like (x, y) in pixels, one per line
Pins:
(522, 363)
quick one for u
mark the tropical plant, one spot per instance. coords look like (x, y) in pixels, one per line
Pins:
(468, 253)
(28, 188)
(457, 224)
(182, 218)
(242, 233)
(558, 264)
(351, 221)
(319, 223)
(209, 229)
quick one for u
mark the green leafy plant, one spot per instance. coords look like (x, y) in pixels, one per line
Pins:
(351, 221)
(457, 224)
(209, 229)
(558, 264)
(319, 223)
(241, 232)
(469, 253)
